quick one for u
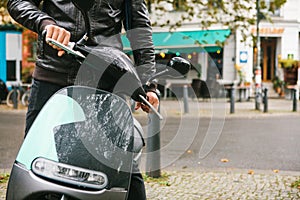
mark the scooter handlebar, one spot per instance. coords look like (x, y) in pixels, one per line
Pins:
(68, 49)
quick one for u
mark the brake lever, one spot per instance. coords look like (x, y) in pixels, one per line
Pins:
(68, 49)
(151, 107)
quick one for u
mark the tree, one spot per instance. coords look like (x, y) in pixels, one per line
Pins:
(4, 16)
(232, 14)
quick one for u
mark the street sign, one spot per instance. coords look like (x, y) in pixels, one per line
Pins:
(243, 56)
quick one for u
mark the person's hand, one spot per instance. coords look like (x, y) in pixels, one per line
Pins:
(59, 34)
(153, 100)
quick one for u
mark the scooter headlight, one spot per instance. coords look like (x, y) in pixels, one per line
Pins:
(69, 174)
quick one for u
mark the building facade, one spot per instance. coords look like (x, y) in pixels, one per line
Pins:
(10, 55)
(237, 60)
(279, 41)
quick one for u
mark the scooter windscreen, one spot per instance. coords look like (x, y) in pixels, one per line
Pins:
(83, 139)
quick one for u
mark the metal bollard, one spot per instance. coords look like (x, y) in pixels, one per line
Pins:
(232, 99)
(153, 145)
(185, 99)
(266, 100)
(15, 97)
(258, 98)
(294, 95)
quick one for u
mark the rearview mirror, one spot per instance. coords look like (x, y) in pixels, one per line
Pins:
(180, 65)
(177, 67)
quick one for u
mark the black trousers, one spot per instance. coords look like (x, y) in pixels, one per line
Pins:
(40, 93)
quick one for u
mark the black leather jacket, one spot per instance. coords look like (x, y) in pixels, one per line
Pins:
(107, 17)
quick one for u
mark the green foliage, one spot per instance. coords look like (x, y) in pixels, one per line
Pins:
(162, 180)
(296, 184)
(277, 83)
(288, 63)
(4, 178)
(27, 73)
(3, 3)
(233, 14)
(4, 16)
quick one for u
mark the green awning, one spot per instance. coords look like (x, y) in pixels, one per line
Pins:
(186, 41)
(10, 27)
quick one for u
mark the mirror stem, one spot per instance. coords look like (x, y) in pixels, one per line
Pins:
(157, 75)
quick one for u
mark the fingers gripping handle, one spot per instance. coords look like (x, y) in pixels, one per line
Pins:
(68, 49)
(151, 107)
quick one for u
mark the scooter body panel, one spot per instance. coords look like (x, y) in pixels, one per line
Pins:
(81, 133)
(34, 146)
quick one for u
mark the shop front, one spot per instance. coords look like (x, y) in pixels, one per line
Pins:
(271, 46)
(279, 46)
(10, 55)
(203, 48)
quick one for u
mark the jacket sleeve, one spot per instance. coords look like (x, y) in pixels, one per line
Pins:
(140, 37)
(28, 14)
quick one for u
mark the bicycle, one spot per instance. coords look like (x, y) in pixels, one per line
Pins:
(3, 91)
(25, 96)
(23, 92)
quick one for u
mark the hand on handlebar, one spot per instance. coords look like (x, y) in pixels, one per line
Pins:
(59, 34)
(153, 100)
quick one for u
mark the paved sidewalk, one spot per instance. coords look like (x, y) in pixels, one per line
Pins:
(211, 107)
(2, 190)
(222, 108)
(224, 185)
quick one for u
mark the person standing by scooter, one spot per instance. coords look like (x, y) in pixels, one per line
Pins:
(63, 22)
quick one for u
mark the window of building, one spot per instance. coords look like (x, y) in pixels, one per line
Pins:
(11, 73)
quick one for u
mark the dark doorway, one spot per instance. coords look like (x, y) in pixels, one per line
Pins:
(268, 48)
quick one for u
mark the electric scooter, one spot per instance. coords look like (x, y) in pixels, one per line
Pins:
(85, 141)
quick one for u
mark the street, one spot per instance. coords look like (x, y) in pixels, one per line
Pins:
(248, 143)
(11, 133)
(263, 143)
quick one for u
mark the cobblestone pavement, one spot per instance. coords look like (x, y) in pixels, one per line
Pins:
(219, 185)
(193, 185)
(2, 190)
